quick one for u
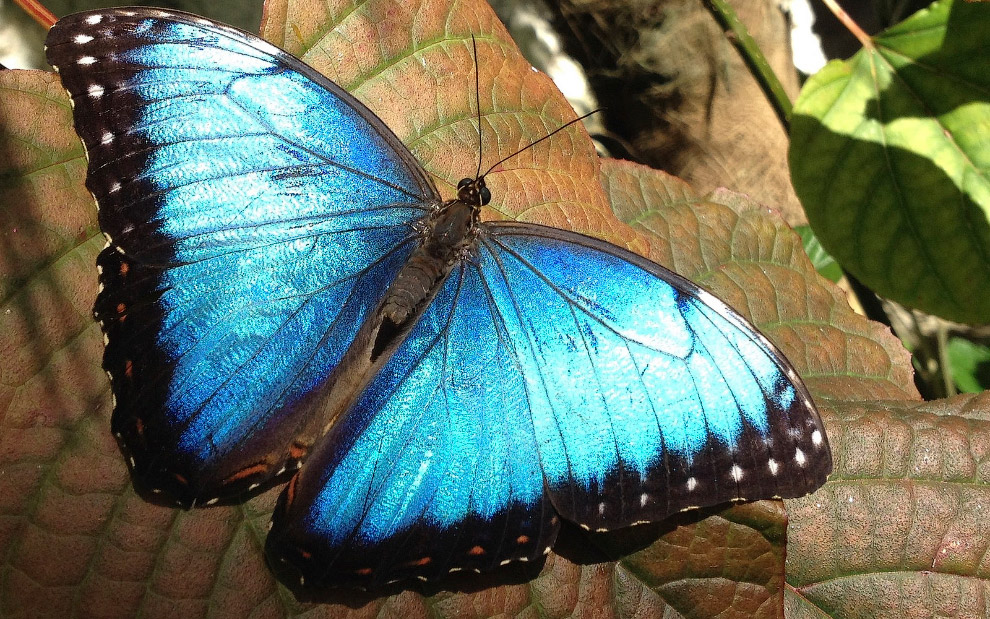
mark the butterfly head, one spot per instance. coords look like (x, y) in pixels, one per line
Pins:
(473, 191)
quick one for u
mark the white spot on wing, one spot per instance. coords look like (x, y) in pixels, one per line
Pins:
(692, 483)
(774, 467)
(86, 60)
(95, 91)
(94, 19)
(115, 187)
(643, 498)
(601, 509)
(736, 472)
(799, 457)
(816, 438)
(107, 138)
(82, 38)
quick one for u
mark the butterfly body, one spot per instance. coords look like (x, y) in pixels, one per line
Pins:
(447, 236)
(283, 283)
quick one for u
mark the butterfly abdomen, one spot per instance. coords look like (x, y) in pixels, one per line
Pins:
(448, 235)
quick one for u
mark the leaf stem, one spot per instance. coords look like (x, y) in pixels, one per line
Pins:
(849, 23)
(738, 35)
(38, 11)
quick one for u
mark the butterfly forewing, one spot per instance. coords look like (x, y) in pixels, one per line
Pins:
(649, 395)
(255, 212)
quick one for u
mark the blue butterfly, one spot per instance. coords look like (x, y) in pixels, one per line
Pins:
(283, 282)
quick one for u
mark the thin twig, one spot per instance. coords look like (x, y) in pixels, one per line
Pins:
(37, 11)
(848, 22)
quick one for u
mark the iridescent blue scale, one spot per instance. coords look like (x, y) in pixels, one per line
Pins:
(283, 283)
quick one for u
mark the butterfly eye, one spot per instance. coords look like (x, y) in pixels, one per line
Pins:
(486, 196)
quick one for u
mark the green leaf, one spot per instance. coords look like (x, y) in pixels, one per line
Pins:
(890, 158)
(970, 365)
(824, 263)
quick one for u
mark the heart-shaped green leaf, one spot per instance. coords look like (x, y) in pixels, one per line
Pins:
(890, 158)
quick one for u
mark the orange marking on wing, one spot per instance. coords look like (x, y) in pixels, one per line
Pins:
(247, 472)
(124, 268)
(305, 554)
(182, 480)
(129, 369)
(290, 491)
(297, 451)
(121, 308)
(364, 571)
(522, 539)
(139, 426)
(420, 562)
(476, 551)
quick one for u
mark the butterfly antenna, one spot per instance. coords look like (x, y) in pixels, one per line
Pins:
(477, 99)
(534, 143)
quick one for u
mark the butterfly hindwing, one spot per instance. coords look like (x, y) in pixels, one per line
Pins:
(435, 469)
(255, 213)
(633, 394)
